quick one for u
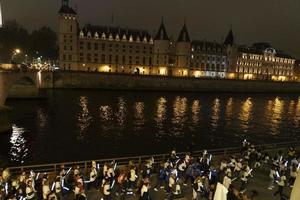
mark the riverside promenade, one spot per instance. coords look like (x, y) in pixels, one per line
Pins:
(257, 184)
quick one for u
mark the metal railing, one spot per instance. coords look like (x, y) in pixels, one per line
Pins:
(85, 165)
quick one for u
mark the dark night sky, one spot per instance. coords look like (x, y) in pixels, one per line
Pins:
(274, 21)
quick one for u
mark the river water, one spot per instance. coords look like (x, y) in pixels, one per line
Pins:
(73, 125)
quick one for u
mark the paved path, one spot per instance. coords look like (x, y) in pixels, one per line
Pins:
(258, 183)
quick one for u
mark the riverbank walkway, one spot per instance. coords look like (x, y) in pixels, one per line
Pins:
(257, 184)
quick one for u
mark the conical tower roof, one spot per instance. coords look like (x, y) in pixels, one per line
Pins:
(162, 33)
(184, 35)
(229, 40)
(66, 9)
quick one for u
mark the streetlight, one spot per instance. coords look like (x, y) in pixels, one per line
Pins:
(15, 52)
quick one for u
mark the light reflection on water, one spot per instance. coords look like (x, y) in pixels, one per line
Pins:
(139, 120)
(246, 114)
(215, 113)
(274, 112)
(196, 112)
(229, 111)
(109, 123)
(84, 117)
(160, 116)
(121, 113)
(179, 116)
(18, 151)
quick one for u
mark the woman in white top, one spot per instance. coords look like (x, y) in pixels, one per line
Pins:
(272, 176)
(107, 191)
(46, 190)
(293, 175)
(281, 184)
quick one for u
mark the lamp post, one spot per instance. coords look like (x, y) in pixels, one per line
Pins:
(15, 52)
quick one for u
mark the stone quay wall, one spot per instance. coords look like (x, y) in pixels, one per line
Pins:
(92, 80)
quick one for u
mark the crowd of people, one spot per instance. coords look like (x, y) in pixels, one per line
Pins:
(202, 177)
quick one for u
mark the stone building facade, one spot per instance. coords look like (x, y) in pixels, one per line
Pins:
(121, 50)
(258, 62)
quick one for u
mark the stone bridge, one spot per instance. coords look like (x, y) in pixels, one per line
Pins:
(18, 84)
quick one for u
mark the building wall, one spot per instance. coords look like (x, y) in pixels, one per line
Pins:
(107, 55)
(68, 41)
(209, 61)
(264, 67)
(166, 83)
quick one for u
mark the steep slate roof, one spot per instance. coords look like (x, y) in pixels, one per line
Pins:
(65, 9)
(162, 33)
(107, 30)
(259, 48)
(229, 40)
(184, 35)
(197, 44)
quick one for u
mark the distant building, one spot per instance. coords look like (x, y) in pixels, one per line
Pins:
(114, 49)
(297, 70)
(209, 59)
(258, 62)
(121, 50)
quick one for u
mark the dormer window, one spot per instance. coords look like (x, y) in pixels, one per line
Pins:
(130, 38)
(81, 34)
(145, 39)
(96, 35)
(151, 41)
(89, 35)
(138, 39)
(117, 37)
(124, 37)
(110, 37)
(103, 36)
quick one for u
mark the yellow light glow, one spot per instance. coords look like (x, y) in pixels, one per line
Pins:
(17, 51)
(197, 74)
(162, 71)
(282, 78)
(183, 72)
(248, 76)
(231, 76)
(104, 68)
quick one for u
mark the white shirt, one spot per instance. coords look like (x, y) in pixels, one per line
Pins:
(46, 191)
(106, 189)
(272, 173)
(28, 191)
(281, 180)
(171, 182)
(132, 175)
(105, 169)
(93, 175)
(110, 172)
(57, 187)
(238, 167)
(182, 166)
(226, 181)
(144, 189)
(223, 165)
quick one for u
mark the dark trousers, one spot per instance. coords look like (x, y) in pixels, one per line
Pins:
(292, 180)
(279, 191)
(243, 185)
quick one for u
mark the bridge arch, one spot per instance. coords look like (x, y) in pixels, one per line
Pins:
(17, 85)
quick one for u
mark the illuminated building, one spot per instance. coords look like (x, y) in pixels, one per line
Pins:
(209, 59)
(258, 62)
(113, 49)
(118, 50)
(297, 70)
